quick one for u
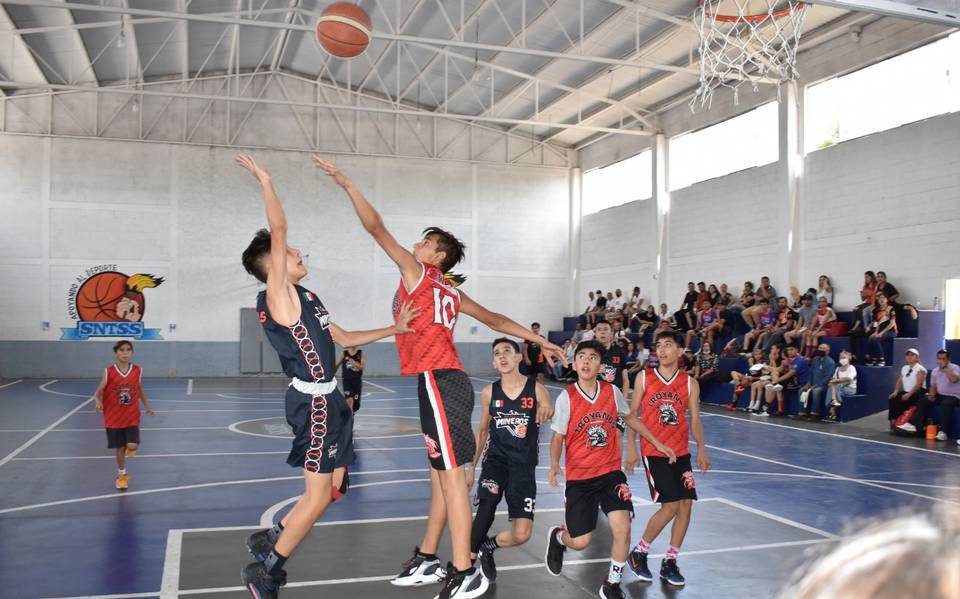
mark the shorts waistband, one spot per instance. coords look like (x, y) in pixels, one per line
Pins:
(313, 388)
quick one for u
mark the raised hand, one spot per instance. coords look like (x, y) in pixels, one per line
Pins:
(332, 170)
(247, 162)
(407, 313)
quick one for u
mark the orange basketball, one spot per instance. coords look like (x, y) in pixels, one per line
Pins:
(344, 29)
(99, 295)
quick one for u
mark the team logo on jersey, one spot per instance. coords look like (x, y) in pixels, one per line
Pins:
(491, 486)
(125, 399)
(623, 492)
(108, 303)
(597, 436)
(515, 422)
(668, 414)
(323, 317)
(433, 448)
(688, 482)
(332, 451)
(608, 373)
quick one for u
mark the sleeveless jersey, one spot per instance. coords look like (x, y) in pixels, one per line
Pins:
(431, 347)
(348, 371)
(592, 438)
(306, 349)
(613, 362)
(767, 318)
(121, 397)
(514, 432)
(664, 411)
(707, 317)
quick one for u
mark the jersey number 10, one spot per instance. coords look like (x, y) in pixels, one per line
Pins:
(444, 310)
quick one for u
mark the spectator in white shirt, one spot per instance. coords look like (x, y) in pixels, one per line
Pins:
(843, 384)
(908, 389)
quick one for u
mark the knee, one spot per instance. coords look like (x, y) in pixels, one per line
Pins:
(132, 445)
(521, 534)
(670, 509)
(579, 543)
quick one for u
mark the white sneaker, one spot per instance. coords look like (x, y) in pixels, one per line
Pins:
(907, 427)
(777, 387)
(464, 586)
(941, 436)
(764, 413)
(419, 571)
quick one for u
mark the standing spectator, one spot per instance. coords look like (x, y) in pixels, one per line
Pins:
(707, 369)
(944, 392)
(806, 319)
(533, 356)
(823, 317)
(868, 295)
(908, 390)
(742, 381)
(765, 320)
(822, 368)
(883, 328)
(765, 291)
(786, 322)
(725, 294)
(578, 333)
(843, 384)
(825, 289)
(686, 316)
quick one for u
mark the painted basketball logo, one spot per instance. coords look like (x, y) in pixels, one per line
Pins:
(109, 303)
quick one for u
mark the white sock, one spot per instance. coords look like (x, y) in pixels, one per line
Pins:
(616, 571)
(560, 537)
(121, 471)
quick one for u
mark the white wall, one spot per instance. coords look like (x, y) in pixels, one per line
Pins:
(187, 212)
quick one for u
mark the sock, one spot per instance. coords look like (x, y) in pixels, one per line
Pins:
(121, 470)
(616, 571)
(274, 563)
(643, 546)
(426, 556)
(491, 544)
(560, 537)
(274, 533)
(673, 552)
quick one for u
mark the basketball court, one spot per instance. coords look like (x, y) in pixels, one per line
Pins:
(573, 145)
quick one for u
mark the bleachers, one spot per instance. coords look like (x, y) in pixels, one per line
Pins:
(874, 382)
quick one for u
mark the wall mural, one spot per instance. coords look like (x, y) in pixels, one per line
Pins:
(108, 303)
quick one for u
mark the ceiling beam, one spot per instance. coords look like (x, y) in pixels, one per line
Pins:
(19, 63)
(900, 10)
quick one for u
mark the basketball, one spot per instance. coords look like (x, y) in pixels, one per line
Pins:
(344, 30)
(99, 295)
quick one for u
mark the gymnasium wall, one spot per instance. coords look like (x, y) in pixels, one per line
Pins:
(186, 212)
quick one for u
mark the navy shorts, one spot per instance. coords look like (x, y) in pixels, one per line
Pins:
(322, 431)
(517, 481)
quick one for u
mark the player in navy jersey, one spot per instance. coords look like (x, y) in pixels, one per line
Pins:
(300, 330)
(353, 363)
(512, 410)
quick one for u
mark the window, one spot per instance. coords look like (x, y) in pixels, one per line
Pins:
(906, 88)
(618, 183)
(750, 139)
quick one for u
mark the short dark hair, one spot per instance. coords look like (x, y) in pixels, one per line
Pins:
(764, 300)
(536, 324)
(253, 255)
(670, 334)
(880, 272)
(121, 343)
(702, 283)
(944, 352)
(591, 344)
(511, 342)
(600, 322)
(764, 277)
(689, 282)
(448, 244)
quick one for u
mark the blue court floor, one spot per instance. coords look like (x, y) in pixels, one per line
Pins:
(211, 467)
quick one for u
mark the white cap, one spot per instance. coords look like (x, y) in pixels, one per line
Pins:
(914, 352)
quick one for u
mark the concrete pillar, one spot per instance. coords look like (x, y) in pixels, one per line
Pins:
(787, 198)
(660, 230)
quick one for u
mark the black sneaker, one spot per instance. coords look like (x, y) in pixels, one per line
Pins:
(485, 556)
(259, 583)
(555, 550)
(670, 573)
(468, 584)
(638, 563)
(259, 545)
(419, 570)
(611, 590)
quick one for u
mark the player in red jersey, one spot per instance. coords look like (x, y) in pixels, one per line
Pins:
(662, 397)
(445, 392)
(118, 396)
(589, 417)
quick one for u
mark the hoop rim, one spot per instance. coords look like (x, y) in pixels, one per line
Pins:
(752, 18)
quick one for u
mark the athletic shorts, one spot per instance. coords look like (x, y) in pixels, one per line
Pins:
(322, 431)
(670, 482)
(119, 437)
(446, 403)
(353, 388)
(582, 498)
(517, 481)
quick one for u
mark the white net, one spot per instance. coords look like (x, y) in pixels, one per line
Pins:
(746, 41)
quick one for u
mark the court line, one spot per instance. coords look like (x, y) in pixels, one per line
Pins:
(808, 430)
(170, 581)
(387, 389)
(266, 518)
(817, 476)
(249, 481)
(217, 401)
(775, 518)
(229, 396)
(11, 384)
(192, 411)
(43, 432)
(839, 476)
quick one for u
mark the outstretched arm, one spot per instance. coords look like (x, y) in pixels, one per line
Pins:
(355, 338)
(502, 324)
(371, 220)
(279, 299)
(696, 427)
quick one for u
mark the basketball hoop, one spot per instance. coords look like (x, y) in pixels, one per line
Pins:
(743, 41)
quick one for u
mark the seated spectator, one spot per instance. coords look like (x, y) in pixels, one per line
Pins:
(909, 388)
(824, 315)
(646, 319)
(893, 295)
(703, 298)
(707, 369)
(636, 301)
(795, 298)
(664, 316)
(825, 290)
(705, 318)
(765, 320)
(944, 392)
(601, 309)
(578, 333)
(686, 316)
(713, 294)
(610, 312)
(772, 366)
(765, 291)
(746, 300)
(786, 322)
(653, 360)
(806, 316)
(883, 328)
(843, 384)
(725, 295)
(559, 371)
(619, 302)
(631, 355)
(792, 376)
(570, 354)
(590, 313)
(533, 356)
(588, 334)
(619, 333)
(688, 361)
(862, 313)
(743, 380)
(822, 368)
